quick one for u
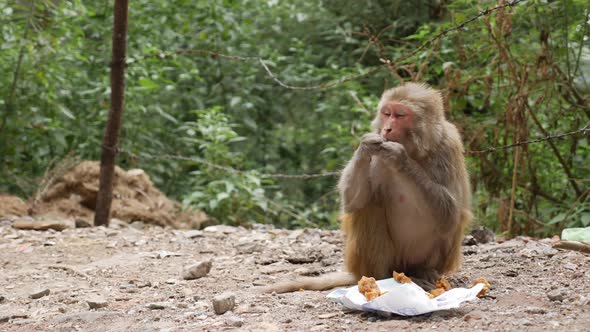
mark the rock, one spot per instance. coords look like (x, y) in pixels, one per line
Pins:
(157, 305)
(165, 253)
(570, 266)
(329, 315)
(510, 273)
(44, 223)
(193, 233)
(535, 310)
(556, 295)
(474, 315)
(483, 235)
(2, 298)
(235, 321)
(81, 223)
(96, 303)
(40, 294)
(223, 303)
(49, 243)
(469, 240)
(196, 271)
(139, 225)
(171, 281)
(220, 229)
(117, 223)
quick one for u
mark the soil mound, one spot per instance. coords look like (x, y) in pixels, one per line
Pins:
(134, 198)
(12, 206)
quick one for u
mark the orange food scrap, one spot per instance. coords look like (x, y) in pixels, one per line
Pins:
(401, 277)
(485, 288)
(443, 283)
(368, 287)
(437, 292)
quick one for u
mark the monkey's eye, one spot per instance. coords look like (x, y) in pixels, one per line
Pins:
(399, 114)
(386, 112)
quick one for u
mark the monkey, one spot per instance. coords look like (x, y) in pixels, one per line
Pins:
(405, 195)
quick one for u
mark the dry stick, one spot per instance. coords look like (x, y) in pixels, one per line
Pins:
(111, 136)
(566, 169)
(573, 245)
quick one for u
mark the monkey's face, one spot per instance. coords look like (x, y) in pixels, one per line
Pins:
(396, 120)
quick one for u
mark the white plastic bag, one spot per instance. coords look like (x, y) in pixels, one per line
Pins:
(404, 299)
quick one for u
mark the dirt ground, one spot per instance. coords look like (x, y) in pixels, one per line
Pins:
(133, 273)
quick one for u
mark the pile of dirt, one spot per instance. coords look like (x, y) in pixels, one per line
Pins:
(12, 206)
(134, 198)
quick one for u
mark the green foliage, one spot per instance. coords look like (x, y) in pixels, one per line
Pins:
(54, 98)
(227, 195)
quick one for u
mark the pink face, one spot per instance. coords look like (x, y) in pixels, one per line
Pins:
(396, 119)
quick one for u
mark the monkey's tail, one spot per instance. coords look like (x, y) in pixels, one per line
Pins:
(326, 281)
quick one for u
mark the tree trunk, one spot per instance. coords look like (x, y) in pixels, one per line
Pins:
(111, 135)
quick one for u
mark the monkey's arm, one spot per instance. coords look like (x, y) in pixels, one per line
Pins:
(354, 184)
(434, 182)
(441, 197)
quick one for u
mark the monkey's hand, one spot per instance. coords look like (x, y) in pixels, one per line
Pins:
(370, 144)
(394, 153)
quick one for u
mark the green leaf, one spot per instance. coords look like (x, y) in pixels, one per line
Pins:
(66, 111)
(148, 83)
(585, 218)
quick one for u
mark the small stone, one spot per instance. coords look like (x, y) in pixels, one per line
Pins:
(570, 266)
(220, 229)
(483, 235)
(474, 315)
(157, 305)
(554, 323)
(535, 310)
(171, 281)
(2, 298)
(96, 303)
(510, 273)
(81, 223)
(40, 294)
(139, 225)
(372, 319)
(48, 243)
(182, 305)
(196, 271)
(469, 240)
(327, 316)
(117, 223)
(223, 303)
(525, 322)
(164, 253)
(235, 321)
(193, 233)
(555, 295)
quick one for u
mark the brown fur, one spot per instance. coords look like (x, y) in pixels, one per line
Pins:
(404, 204)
